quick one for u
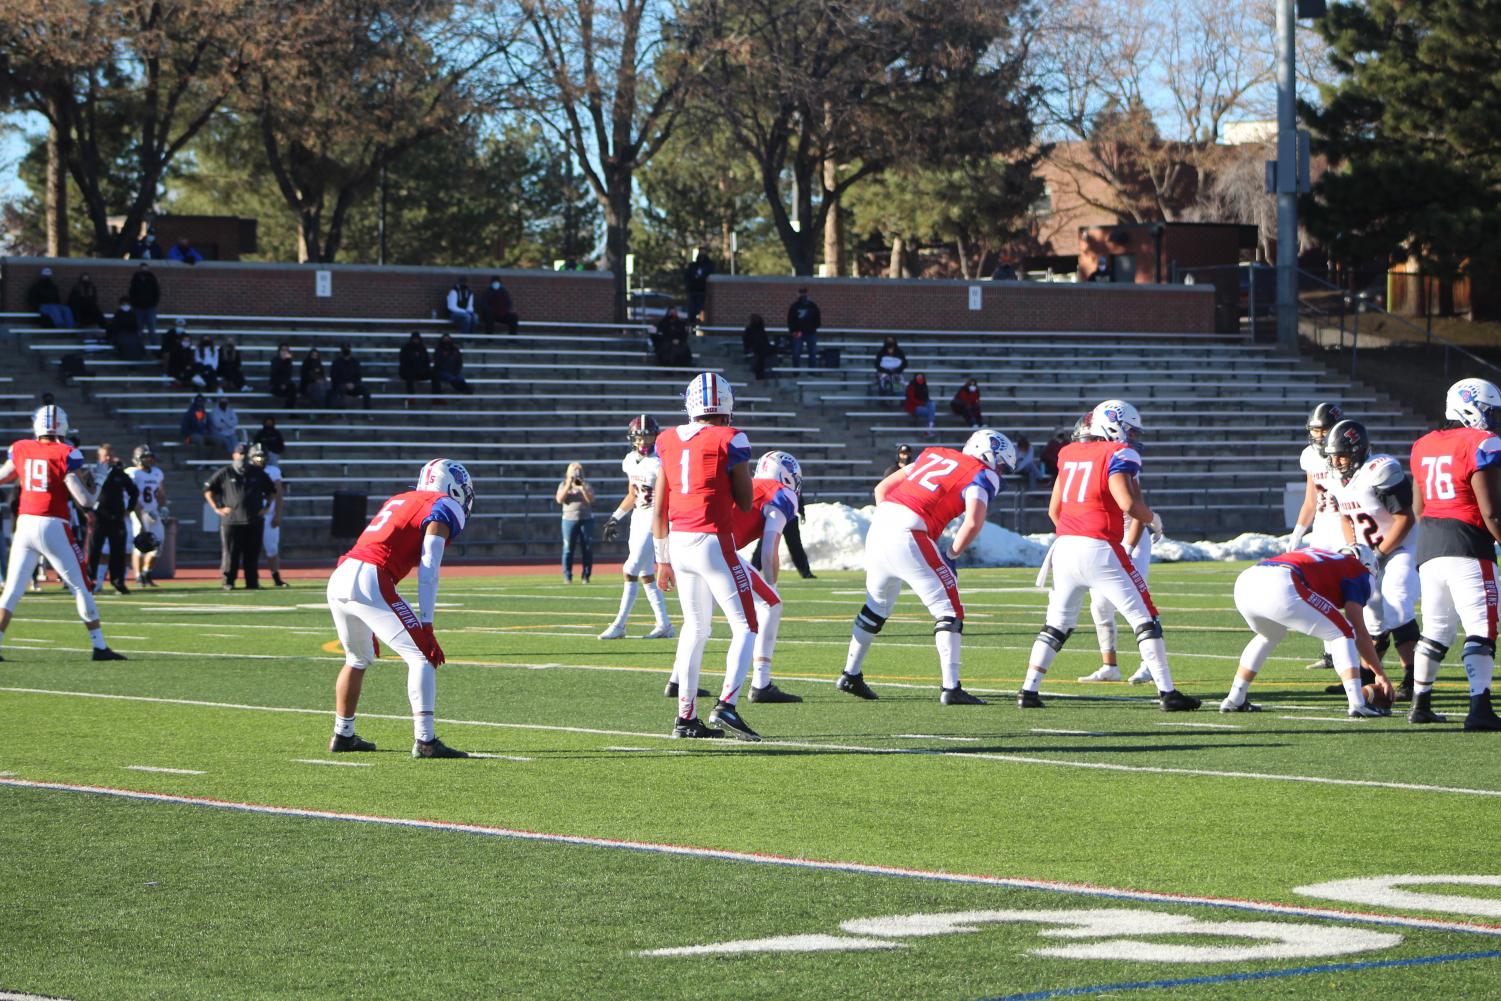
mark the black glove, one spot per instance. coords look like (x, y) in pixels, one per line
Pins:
(611, 530)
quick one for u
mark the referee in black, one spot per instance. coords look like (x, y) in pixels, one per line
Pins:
(117, 498)
(240, 493)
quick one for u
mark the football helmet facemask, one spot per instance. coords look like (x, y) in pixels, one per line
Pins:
(256, 455)
(1081, 429)
(992, 448)
(1475, 403)
(1321, 420)
(1366, 555)
(448, 477)
(141, 454)
(783, 467)
(642, 433)
(1346, 448)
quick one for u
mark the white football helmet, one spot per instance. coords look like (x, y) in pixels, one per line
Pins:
(49, 422)
(448, 477)
(1474, 403)
(708, 394)
(1115, 420)
(781, 466)
(992, 448)
(1366, 555)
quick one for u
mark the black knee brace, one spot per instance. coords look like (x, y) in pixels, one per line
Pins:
(1149, 631)
(869, 620)
(1433, 648)
(1407, 632)
(1383, 642)
(1479, 645)
(1054, 638)
(948, 624)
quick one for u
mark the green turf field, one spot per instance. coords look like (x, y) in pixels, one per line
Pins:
(173, 826)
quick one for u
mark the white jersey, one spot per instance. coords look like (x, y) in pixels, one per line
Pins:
(274, 474)
(1364, 499)
(1326, 528)
(641, 472)
(149, 483)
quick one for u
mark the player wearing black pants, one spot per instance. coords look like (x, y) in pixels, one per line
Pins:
(117, 497)
(240, 493)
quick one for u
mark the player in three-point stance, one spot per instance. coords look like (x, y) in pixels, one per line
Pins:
(1375, 502)
(1458, 504)
(705, 475)
(640, 468)
(775, 489)
(411, 530)
(150, 512)
(1318, 593)
(904, 545)
(1096, 489)
(47, 467)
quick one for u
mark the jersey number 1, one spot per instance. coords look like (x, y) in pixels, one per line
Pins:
(36, 476)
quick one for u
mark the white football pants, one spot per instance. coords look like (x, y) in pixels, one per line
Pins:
(898, 550)
(1102, 610)
(1395, 601)
(709, 572)
(641, 557)
(1274, 600)
(37, 536)
(363, 601)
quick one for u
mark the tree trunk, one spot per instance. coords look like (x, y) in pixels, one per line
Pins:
(833, 224)
(57, 180)
(617, 235)
(897, 268)
(309, 224)
(963, 253)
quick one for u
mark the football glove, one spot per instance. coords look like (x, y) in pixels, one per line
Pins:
(428, 644)
(611, 530)
(1156, 527)
(949, 561)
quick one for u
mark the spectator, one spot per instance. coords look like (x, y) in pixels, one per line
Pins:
(1004, 271)
(1101, 270)
(281, 377)
(239, 493)
(448, 366)
(495, 307)
(145, 295)
(147, 249)
(314, 383)
(270, 438)
(696, 281)
(803, 321)
(179, 362)
(193, 429)
(344, 373)
(671, 340)
(116, 497)
(183, 251)
(461, 306)
(757, 344)
(83, 300)
(919, 401)
(229, 369)
(966, 404)
(123, 320)
(577, 498)
(171, 336)
(1050, 452)
(891, 362)
(224, 424)
(206, 364)
(903, 458)
(1028, 468)
(414, 366)
(46, 301)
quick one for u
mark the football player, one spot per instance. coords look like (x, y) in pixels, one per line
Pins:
(706, 475)
(1375, 500)
(48, 468)
(1318, 593)
(148, 518)
(271, 532)
(1458, 503)
(914, 504)
(411, 530)
(640, 468)
(1319, 522)
(1096, 489)
(775, 489)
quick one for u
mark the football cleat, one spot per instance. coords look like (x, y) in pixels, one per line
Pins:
(353, 742)
(615, 632)
(120, 587)
(1422, 710)
(854, 684)
(1367, 712)
(435, 748)
(1229, 706)
(1029, 700)
(1482, 716)
(957, 696)
(1325, 661)
(734, 724)
(1403, 692)
(665, 632)
(1142, 676)
(771, 693)
(1176, 702)
(695, 728)
(106, 653)
(1105, 672)
(671, 691)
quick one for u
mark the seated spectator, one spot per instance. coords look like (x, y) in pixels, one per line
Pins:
(414, 364)
(891, 362)
(83, 300)
(966, 404)
(1004, 271)
(495, 307)
(314, 384)
(170, 337)
(461, 306)
(448, 366)
(180, 365)
(757, 344)
(183, 251)
(903, 458)
(1028, 468)
(206, 364)
(122, 319)
(147, 249)
(270, 438)
(1050, 452)
(193, 429)
(46, 301)
(344, 375)
(919, 402)
(671, 340)
(281, 378)
(229, 369)
(224, 424)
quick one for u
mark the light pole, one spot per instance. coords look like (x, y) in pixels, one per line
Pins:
(1287, 179)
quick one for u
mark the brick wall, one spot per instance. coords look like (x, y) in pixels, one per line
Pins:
(886, 304)
(288, 289)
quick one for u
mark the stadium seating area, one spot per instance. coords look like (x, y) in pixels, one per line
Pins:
(1224, 417)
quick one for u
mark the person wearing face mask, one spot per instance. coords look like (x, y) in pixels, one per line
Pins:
(495, 307)
(145, 296)
(240, 493)
(414, 364)
(966, 404)
(147, 248)
(206, 365)
(193, 428)
(891, 362)
(269, 438)
(919, 401)
(282, 375)
(803, 321)
(123, 324)
(314, 383)
(224, 424)
(83, 300)
(229, 371)
(344, 375)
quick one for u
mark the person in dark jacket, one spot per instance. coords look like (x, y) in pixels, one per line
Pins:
(495, 307)
(757, 344)
(671, 340)
(46, 300)
(903, 458)
(147, 248)
(83, 300)
(414, 364)
(117, 498)
(966, 404)
(314, 383)
(179, 361)
(448, 366)
(123, 320)
(803, 321)
(184, 252)
(696, 282)
(193, 428)
(891, 362)
(145, 296)
(230, 370)
(919, 402)
(240, 493)
(270, 438)
(344, 375)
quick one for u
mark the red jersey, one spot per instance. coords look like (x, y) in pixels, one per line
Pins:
(768, 498)
(42, 466)
(938, 484)
(1086, 505)
(393, 539)
(1337, 577)
(697, 459)
(1442, 464)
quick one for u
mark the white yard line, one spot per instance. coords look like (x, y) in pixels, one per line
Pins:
(1329, 719)
(325, 761)
(498, 757)
(1070, 733)
(164, 771)
(935, 736)
(1208, 726)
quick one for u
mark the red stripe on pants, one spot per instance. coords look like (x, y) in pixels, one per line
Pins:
(88, 582)
(1325, 607)
(1134, 574)
(742, 579)
(759, 586)
(941, 569)
(1488, 578)
(398, 605)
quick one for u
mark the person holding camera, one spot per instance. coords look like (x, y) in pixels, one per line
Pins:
(577, 498)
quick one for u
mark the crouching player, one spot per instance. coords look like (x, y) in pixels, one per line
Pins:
(640, 468)
(913, 506)
(1096, 489)
(410, 531)
(1320, 594)
(775, 490)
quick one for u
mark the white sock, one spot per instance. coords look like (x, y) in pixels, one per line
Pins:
(860, 641)
(1479, 668)
(422, 727)
(627, 601)
(96, 637)
(343, 725)
(1034, 678)
(761, 673)
(948, 656)
(737, 665)
(1238, 689)
(766, 642)
(422, 692)
(1353, 693)
(658, 602)
(1154, 655)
